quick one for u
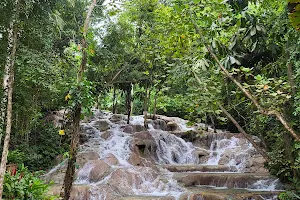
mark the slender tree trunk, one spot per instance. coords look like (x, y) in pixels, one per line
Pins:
(128, 102)
(114, 101)
(8, 90)
(206, 122)
(247, 93)
(213, 123)
(291, 78)
(288, 145)
(69, 176)
(146, 100)
(155, 104)
(131, 98)
(149, 101)
(243, 132)
(9, 60)
(287, 140)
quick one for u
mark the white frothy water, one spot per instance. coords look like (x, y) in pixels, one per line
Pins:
(232, 152)
(170, 149)
(265, 185)
(117, 143)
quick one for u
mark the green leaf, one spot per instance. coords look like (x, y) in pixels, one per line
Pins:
(253, 31)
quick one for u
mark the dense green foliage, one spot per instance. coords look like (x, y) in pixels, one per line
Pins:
(154, 47)
(21, 184)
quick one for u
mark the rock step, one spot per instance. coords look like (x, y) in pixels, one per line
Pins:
(229, 180)
(199, 168)
(148, 198)
(205, 193)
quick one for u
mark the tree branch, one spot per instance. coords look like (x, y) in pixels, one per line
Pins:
(263, 111)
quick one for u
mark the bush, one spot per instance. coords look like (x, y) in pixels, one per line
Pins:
(43, 146)
(22, 184)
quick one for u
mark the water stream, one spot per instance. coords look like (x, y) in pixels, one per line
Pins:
(170, 149)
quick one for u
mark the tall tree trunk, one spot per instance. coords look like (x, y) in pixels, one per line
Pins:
(8, 81)
(69, 176)
(213, 123)
(11, 49)
(131, 98)
(128, 102)
(291, 78)
(246, 92)
(149, 101)
(114, 101)
(155, 104)
(206, 122)
(146, 100)
(287, 140)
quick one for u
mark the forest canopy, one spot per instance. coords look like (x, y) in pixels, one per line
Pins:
(194, 59)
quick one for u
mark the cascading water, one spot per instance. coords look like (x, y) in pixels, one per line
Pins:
(117, 176)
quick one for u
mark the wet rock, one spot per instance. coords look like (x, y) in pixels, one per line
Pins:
(128, 129)
(135, 160)
(117, 118)
(102, 124)
(57, 174)
(87, 192)
(147, 198)
(172, 126)
(157, 124)
(257, 164)
(95, 170)
(78, 192)
(144, 145)
(200, 152)
(111, 159)
(138, 128)
(124, 181)
(225, 157)
(258, 160)
(104, 192)
(143, 135)
(84, 157)
(106, 135)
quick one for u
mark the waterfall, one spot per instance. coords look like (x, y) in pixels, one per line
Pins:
(126, 160)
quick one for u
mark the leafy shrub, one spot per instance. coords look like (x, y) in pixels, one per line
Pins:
(44, 145)
(16, 156)
(22, 184)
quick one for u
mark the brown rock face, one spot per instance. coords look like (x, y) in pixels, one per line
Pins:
(99, 170)
(138, 128)
(102, 124)
(200, 153)
(86, 192)
(84, 157)
(117, 118)
(143, 145)
(111, 159)
(128, 129)
(157, 124)
(106, 135)
(172, 126)
(135, 160)
(124, 181)
(79, 192)
(57, 175)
